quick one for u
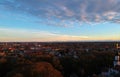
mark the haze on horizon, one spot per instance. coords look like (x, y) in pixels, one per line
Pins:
(56, 20)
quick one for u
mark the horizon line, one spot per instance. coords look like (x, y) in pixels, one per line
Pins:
(60, 41)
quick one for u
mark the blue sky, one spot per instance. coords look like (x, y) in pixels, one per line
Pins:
(56, 20)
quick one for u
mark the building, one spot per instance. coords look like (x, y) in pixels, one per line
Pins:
(117, 46)
(117, 59)
(117, 56)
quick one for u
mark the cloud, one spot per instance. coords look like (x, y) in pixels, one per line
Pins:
(8, 34)
(21, 35)
(57, 11)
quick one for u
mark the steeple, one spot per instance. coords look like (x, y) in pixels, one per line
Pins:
(117, 56)
(117, 60)
(117, 46)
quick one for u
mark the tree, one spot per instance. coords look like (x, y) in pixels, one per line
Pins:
(39, 69)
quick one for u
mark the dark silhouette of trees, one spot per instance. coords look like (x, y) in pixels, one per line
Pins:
(87, 64)
(39, 69)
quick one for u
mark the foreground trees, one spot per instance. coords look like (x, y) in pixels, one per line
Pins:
(39, 69)
(88, 64)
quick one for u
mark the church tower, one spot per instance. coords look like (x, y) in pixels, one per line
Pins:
(117, 45)
(117, 56)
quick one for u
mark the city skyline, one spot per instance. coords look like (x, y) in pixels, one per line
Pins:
(68, 20)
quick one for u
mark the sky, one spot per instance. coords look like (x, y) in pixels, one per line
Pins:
(59, 20)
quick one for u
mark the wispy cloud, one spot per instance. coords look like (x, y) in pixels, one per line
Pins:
(8, 34)
(86, 11)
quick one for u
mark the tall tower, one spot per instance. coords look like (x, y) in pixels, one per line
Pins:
(117, 56)
(117, 60)
(117, 45)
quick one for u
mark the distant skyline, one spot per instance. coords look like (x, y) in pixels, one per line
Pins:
(56, 20)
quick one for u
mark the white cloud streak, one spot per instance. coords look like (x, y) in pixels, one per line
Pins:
(30, 35)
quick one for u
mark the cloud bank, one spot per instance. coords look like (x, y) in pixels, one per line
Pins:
(62, 13)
